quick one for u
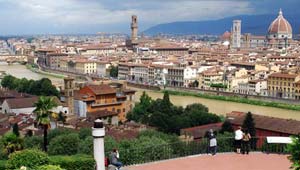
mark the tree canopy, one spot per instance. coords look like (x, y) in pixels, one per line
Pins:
(42, 87)
(161, 113)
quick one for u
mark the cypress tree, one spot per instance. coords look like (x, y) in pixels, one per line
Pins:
(249, 124)
(16, 129)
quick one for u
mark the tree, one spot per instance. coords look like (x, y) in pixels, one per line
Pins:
(249, 124)
(12, 143)
(7, 81)
(226, 127)
(43, 115)
(140, 112)
(28, 158)
(113, 71)
(64, 144)
(16, 129)
(294, 150)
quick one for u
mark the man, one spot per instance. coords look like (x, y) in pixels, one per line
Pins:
(114, 156)
(238, 139)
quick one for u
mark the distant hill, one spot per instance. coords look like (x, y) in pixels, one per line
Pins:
(254, 24)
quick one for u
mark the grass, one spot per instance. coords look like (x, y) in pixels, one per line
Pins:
(36, 70)
(237, 100)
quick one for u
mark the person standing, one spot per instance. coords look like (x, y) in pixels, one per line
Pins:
(212, 142)
(114, 159)
(246, 142)
(238, 139)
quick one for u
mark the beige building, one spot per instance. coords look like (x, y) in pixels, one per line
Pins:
(282, 85)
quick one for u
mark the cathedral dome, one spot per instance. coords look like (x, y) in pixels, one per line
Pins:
(280, 26)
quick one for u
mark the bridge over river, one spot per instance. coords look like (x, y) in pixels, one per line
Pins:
(13, 59)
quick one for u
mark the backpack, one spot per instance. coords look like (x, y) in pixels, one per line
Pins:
(246, 137)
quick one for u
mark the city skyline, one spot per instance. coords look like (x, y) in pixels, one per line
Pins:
(77, 16)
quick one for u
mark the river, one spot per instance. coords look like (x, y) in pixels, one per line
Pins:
(223, 107)
(215, 106)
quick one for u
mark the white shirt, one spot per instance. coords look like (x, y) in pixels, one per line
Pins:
(238, 135)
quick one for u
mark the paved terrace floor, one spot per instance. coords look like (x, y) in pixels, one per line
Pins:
(222, 161)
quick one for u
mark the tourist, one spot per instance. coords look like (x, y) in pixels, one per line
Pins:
(212, 142)
(246, 142)
(238, 139)
(114, 159)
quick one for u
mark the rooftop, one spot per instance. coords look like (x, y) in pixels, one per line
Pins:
(224, 161)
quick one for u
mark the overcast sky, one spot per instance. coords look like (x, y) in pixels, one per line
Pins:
(91, 16)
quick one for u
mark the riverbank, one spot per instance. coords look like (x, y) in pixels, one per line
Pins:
(36, 70)
(236, 100)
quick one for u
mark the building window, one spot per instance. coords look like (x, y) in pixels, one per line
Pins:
(123, 109)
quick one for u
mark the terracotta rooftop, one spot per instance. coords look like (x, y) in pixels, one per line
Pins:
(283, 75)
(101, 89)
(287, 126)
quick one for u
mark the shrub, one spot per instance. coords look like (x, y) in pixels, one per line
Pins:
(57, 132)
(64, 144)
(33, 142)
(86, 146)
(78, 162)
(85, 132)
(27, 158)
(2, 164)
(49, 167)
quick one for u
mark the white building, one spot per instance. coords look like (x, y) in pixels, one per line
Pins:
(236, 34)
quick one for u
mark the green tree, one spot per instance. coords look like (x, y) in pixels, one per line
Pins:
(226, 127)
(12, 142)
(294, 150)
(7, 81)
(43, 115)
(249, 124)
(140, 111)
(28, 158)
(15, 129)
(64, 144)
(113, 71)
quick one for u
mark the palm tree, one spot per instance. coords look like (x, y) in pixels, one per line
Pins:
(43, 115)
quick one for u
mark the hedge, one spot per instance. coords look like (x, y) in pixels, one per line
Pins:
(78, 162)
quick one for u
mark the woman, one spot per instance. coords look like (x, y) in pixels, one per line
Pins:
(246, 142)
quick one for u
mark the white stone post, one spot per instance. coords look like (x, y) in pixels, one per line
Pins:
(98, 135)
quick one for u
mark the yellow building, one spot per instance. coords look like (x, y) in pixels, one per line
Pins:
(282, 85)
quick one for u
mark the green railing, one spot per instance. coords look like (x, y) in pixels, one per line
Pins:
(183, 149)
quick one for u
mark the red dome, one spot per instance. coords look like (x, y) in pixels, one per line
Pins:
(226, 36)
(280, 26)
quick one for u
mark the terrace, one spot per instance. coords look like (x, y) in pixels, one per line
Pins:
(193, 155)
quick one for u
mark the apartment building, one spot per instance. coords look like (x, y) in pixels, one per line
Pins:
(103, 101)
(282, 85)
(175, 76)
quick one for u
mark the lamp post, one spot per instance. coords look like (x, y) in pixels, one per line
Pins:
(98, 132)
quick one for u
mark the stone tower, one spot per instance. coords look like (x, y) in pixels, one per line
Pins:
(236, 34)
(69, 94)
(134, 28)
